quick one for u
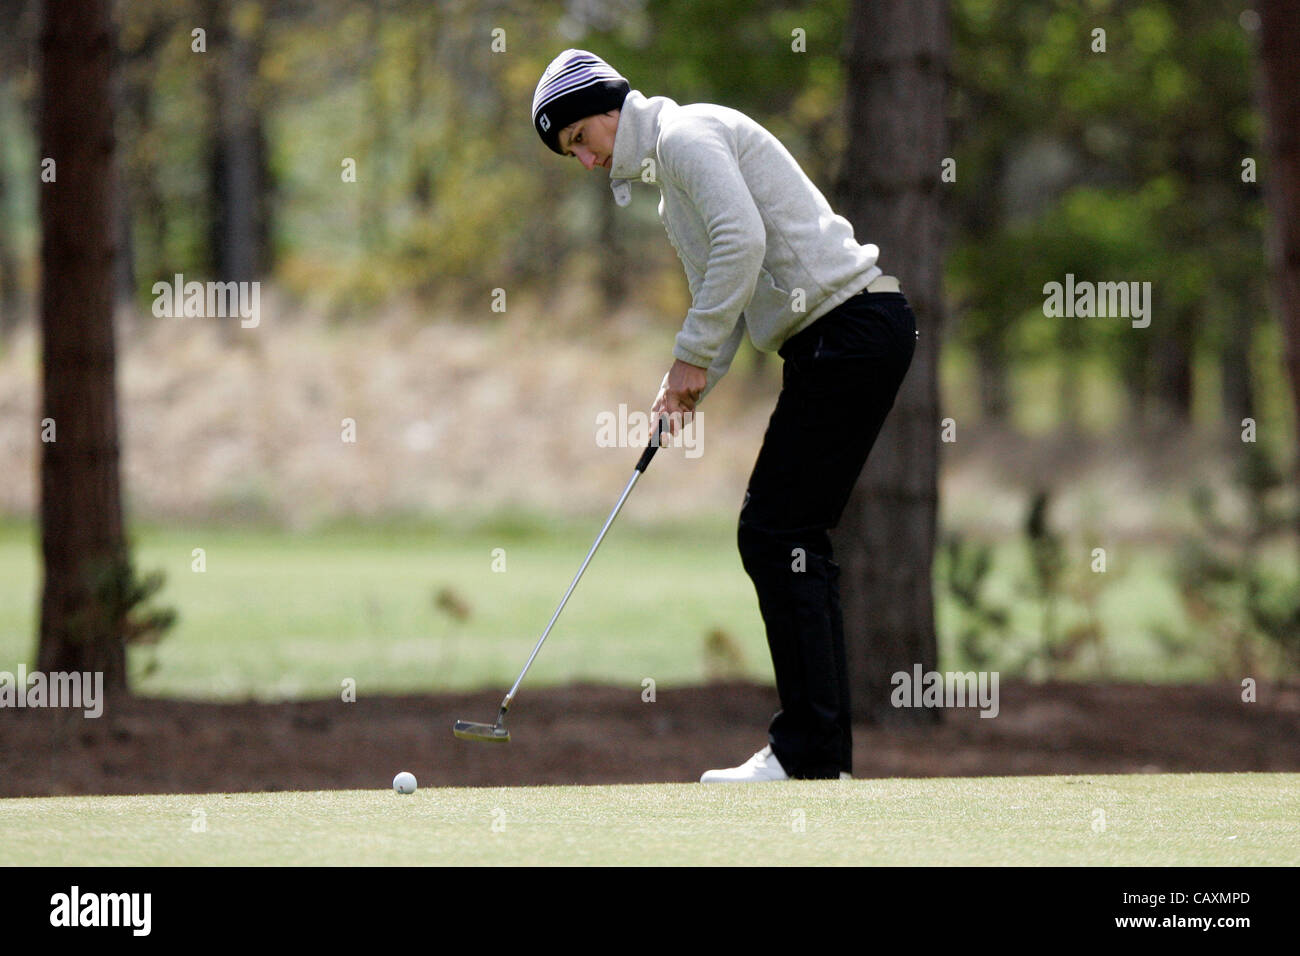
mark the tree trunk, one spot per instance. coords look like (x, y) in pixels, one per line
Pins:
(81, 510)
(1237, 390)
(124, 264)
(1172, 385)
(1134, 366)
(1280, 63)
(897, 83)
(237, 171)
(991, 379)
(982, 221)
(373, 200)
(146, 216)
(1069, 341)
(9, 298)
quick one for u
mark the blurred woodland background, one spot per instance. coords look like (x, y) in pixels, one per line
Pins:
(471, 302)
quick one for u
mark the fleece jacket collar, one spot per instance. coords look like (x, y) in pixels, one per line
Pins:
(635, 141)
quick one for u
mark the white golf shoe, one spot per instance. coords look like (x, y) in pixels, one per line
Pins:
(760, 768)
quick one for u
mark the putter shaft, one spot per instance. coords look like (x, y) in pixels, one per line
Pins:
(472, 731)
(505, 704)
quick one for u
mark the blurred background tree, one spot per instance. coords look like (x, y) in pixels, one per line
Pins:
(1145, 161)
(83, 541)
(890, 189)
(1280, 60)
(1122, 164)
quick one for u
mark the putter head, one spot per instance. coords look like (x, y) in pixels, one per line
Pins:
(492, 733)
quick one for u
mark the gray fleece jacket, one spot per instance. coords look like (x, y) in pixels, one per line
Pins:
(762, 248)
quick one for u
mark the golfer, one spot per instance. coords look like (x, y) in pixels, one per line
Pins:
(765, 255)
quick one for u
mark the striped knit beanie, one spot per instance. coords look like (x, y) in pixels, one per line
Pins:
(577, 84)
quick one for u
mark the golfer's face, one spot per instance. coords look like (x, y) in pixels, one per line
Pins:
(591, 140)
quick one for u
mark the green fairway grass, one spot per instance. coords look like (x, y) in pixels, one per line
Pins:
(1150, 819)
(283, 615)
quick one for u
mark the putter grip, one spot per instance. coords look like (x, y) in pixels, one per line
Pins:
(652, 447)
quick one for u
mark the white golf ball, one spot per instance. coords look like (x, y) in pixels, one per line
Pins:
(404, 782)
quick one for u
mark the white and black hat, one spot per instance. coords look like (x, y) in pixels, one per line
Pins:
(577, 84)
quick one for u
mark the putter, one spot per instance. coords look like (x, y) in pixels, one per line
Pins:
(497, 733)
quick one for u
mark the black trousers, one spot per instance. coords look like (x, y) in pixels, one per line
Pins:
(839, 381)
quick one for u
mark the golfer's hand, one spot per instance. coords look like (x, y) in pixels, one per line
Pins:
(681, 389)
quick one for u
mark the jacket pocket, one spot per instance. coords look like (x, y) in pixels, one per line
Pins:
(770, 308)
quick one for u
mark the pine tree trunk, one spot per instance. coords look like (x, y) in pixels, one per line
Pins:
(897, 83)
(1238, 388)
(9, 299)
(237, 170)
(1172, 371)
(81, 510)
(1280, 65)
(991, 380)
